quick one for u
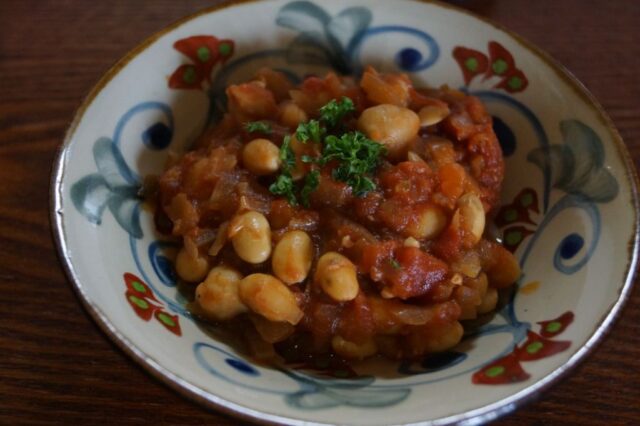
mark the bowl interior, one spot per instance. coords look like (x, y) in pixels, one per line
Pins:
(569, 205)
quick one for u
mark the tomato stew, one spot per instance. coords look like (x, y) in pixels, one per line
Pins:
(340, 217)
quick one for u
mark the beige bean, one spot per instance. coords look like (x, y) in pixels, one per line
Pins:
(218, 296)
(504, 269)
(489, 301)
(429, 221)
(271, 331)
(390, 125)
(346, 241)
(411, 242)
(291, 114)
(468, 264)
(189, 268)
(250, 235)
(468, 299)
(352, 350)
(456, 279)
(336, 274)
(434, 339)
(261, 157)
(268, 296)
(479, 283)
(470, 215)
(446, 338)
(432, 114)
(292, 257)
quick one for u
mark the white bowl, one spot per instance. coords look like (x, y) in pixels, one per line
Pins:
(574, 228)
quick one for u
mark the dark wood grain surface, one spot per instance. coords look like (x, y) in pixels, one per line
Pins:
(56, 367)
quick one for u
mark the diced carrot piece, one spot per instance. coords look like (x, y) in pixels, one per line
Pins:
(251, 101)
(452, 180)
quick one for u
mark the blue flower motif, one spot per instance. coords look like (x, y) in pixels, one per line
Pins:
(336, 41)
(323, 39)
(115, 185)
(577, 166)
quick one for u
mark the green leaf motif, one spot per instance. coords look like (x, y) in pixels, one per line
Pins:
(494, 371)
(534, 347)
(224, 49)
(166, 319)
(141, 303)
(139, 287)
(189, 75)
(471, 64)
(204, 54)
(552, 327)
(499, 66)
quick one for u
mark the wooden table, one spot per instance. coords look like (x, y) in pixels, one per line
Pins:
(57, 367)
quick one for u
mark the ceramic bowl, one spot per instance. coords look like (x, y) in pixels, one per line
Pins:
(569, 207)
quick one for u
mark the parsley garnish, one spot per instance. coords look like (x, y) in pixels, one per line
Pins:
(357, 157)
(333, 112)
(330, 115)
(258, 127)
(310, 131)
(283, 185)
(394, 264)
(287, 156)
(311, 182)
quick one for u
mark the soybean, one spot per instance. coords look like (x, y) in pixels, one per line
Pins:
(218, 295)
(292, 257)
(189, 268)
(336, 275)
(261, 157)
(393, 126)
(268, 296)
(250, 235)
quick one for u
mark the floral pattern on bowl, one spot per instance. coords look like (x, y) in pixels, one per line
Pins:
(569, 210)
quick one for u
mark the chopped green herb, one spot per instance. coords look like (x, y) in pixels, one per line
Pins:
(395, 264)
(258, 127)
(310, 131)
(287, 156)
(333, 112)
(357, 157)
(311, 182)
(308, 159)
(283, 186)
